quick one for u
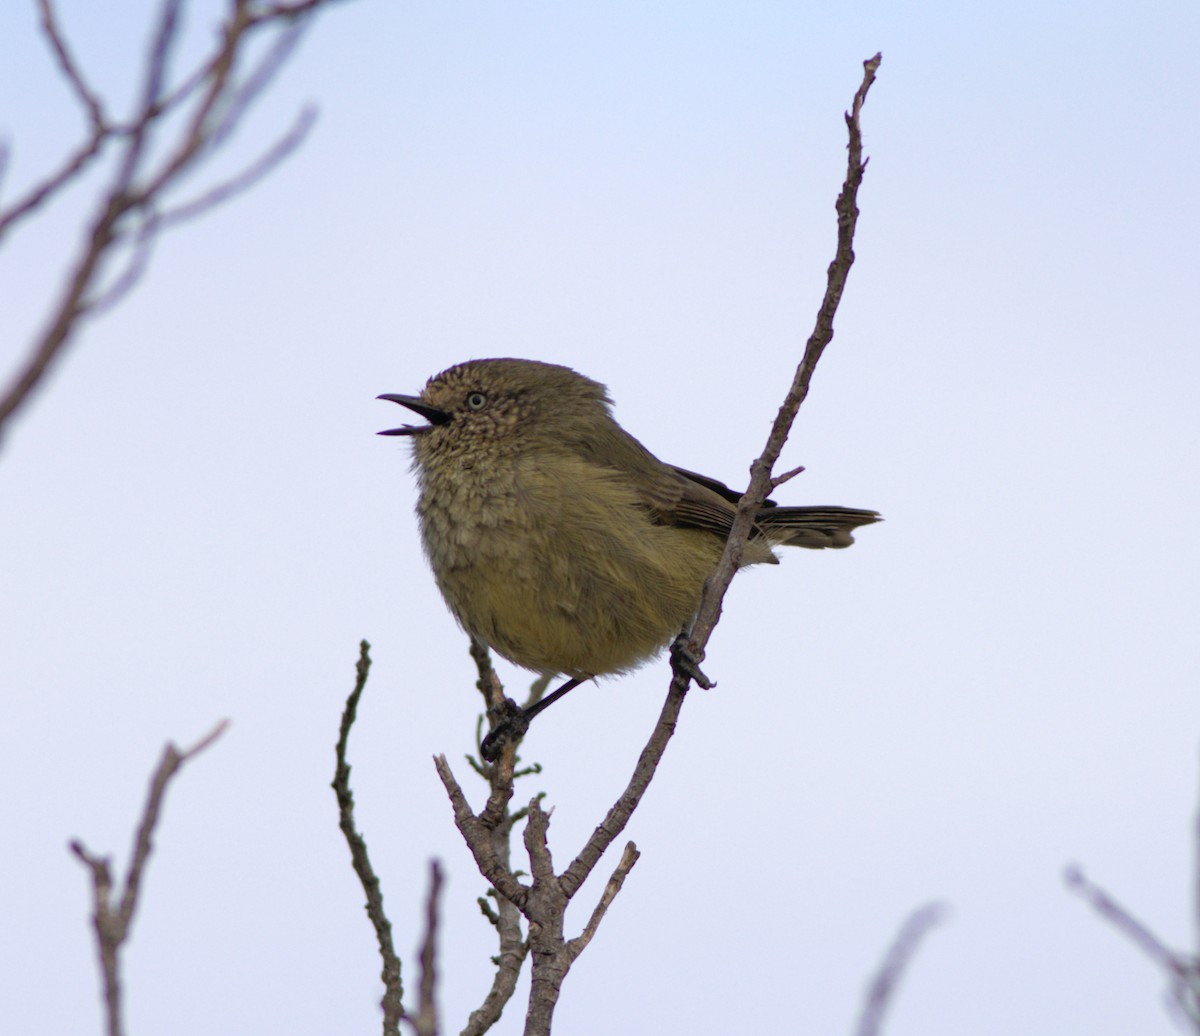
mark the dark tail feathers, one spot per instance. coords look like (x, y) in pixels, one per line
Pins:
(813, 527)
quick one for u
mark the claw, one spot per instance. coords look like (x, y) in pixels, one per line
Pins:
(509, 723)
(685, 661)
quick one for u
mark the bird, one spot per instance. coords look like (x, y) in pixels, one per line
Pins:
(556, 538)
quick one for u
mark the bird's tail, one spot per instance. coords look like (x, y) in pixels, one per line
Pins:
(813, 527)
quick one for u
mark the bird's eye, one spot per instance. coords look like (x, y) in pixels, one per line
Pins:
(476, 400)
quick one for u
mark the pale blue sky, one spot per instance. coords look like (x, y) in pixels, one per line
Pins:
(999, 680)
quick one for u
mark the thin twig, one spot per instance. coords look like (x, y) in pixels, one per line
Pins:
(1125, 922)
(239, 100)
(112, 923)
(619, 815)
(248, 177)
(141, 248)
(1196, 888)
(537, 690)
(1182, 971)
(393, 986)
(99, 131)
(882, 990)
(216, 102)
(787, 476)
(66, 63)
(475, 834)
(42, 192)
(628, 858)
(541, 862)
(760, 471)
(425, 1021)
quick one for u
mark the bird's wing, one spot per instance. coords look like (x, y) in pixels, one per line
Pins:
(718, 487)
(681, 497)
(672, 496)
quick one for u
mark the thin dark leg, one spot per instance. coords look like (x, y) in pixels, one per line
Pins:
(513, 720)
(553, 696)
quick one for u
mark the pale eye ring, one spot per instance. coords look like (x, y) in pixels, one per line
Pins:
(476, 400)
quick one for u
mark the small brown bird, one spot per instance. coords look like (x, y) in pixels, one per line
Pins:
(556, 537)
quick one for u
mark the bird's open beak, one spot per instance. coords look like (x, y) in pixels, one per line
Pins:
(431, 414)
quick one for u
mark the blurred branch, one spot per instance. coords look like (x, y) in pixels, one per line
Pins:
(112, 922)
(1182, 971)
(425, 1021)
(87, 98)
(393, 987)
(131, 211)
(883, 987)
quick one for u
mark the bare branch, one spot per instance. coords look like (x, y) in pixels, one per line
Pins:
(886, 981)
(70, 70)
(1182, 971)
(618, 816)
(239, 100)
(760, 471)
(1124, 922)
(541, 864)
(217, 102)
(79, 159)
(139, 134)
(1196, 887)
(787, 476)
(393, 986)
(142, 247)
(628, 858)
(112, 923)
(514, 948)
(477, 836)
(248, 177)
(282, 11)
(75, 164)
(425, 1021)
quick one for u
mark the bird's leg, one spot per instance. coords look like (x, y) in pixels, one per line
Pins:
(510, 721)
(684, 661)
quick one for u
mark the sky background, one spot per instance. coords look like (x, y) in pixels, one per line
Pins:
(198, 522)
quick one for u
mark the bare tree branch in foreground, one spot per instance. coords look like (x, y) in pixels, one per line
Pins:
(543, 901)
(1182, 971)
(393, 988)
(883, 987)
(111, 920)
(188, 118)
(425, 1021)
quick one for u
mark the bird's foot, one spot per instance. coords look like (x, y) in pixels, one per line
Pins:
(509, 723)
(684, 660)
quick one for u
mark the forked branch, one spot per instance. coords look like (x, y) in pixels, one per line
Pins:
(135, 206)
(111, 919)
